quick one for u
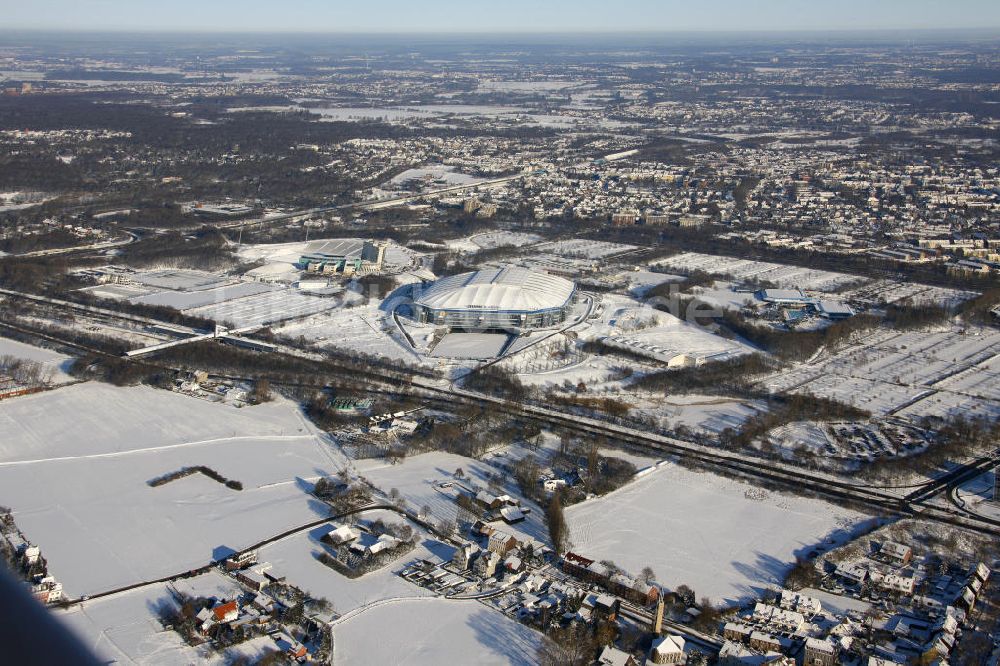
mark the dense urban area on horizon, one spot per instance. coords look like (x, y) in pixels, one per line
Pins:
(491, 349)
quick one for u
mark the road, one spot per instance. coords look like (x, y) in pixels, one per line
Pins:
(190, 573)
(956, 477)
(917, 503)
(92, 247)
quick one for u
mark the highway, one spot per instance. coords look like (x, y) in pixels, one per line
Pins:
(879, 500)
(92, 247)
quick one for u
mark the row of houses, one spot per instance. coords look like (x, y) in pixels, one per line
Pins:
(28, 559)
(616, 582)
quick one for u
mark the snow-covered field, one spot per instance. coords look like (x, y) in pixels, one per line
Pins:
(434, 631)
(124, 629)
(92, 448)
(726, 539)
(365, 329)
(51, 361)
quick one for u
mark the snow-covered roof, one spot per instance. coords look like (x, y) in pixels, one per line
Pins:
(510, 288)
(668, 645)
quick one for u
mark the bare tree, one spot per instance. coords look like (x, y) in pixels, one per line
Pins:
(558, 530)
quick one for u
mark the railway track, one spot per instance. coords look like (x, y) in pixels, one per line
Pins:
(795, 479)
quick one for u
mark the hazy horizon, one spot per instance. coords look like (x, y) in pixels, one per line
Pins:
(514, 16)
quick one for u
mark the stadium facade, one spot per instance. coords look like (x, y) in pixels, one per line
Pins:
(510, 297)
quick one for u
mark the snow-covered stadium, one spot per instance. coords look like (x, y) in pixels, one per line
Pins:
(503, 298)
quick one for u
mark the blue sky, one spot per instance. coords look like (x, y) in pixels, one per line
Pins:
(496, 15)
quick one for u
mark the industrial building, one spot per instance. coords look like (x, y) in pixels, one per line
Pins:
(344, 256)
(506, 298)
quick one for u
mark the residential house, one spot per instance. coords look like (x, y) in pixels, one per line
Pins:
(488, 501)
(290, 646)
(341, 535)
(253, 577)
(464, 556)
(501, 543)
(367, 545)
(46, 589)
(800, 603)
(895, 553)
(602, 606)
(241, 560)
(612, 656)
(486, 565)
(895, 583)
(511, 514)
(819, 652)
(226, 612)
(765, 642)
(734, 654)
(778, 618)
(852, 573)
(738, 632)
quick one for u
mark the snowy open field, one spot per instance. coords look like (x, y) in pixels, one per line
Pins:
(93, 448)
(705, 413)
(124, 629)
(434, 631)
(705, 531)
(51, 361)
(365, 329)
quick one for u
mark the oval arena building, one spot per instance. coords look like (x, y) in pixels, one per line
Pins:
(502, 298)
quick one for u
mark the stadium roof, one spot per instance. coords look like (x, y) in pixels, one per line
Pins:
(509, 289)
